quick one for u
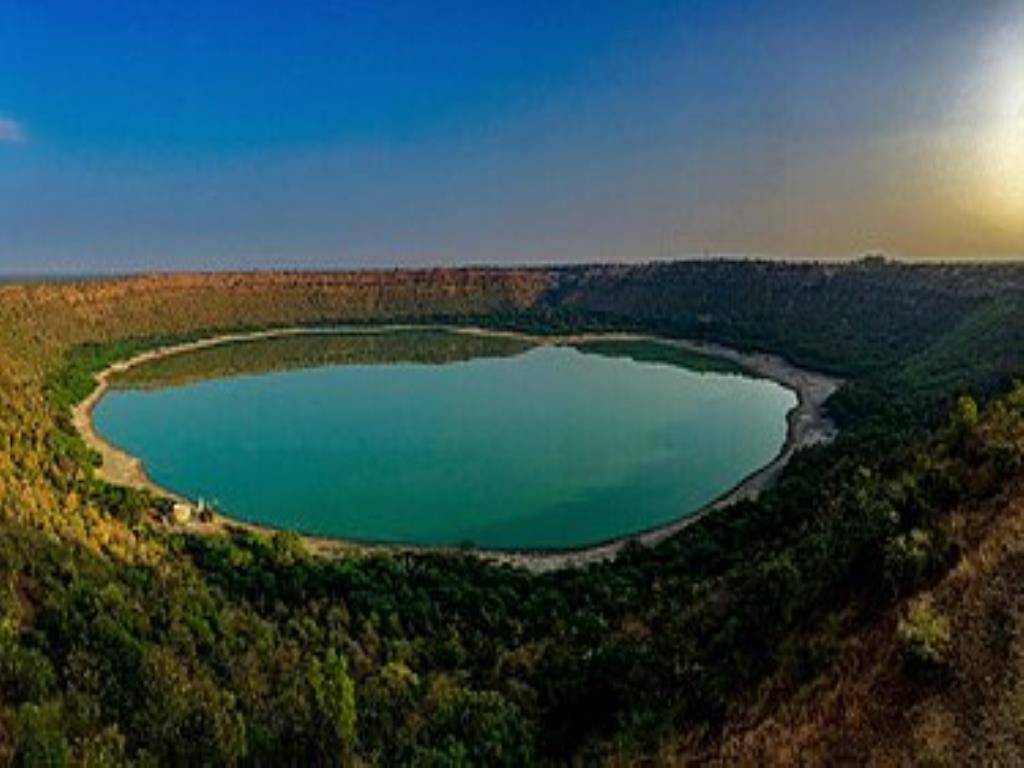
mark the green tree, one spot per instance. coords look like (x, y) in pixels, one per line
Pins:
(38, 736)
(334, 694)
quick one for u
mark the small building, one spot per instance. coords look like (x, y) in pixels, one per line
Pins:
(181, 513)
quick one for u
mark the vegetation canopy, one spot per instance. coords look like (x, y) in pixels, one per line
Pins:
(125, 642)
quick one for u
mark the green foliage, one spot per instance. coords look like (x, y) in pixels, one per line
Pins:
(472, 728)
(38, 737)
(126, 504)
(914, 558)
(120, 643)
(925, 637)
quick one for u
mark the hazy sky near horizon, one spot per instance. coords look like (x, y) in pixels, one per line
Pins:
(137, 134)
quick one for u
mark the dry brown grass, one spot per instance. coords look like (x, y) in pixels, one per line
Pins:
(866, 710)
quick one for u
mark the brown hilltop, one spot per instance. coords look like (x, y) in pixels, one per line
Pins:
(55, 314)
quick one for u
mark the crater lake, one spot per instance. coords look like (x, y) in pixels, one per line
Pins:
(445, 438)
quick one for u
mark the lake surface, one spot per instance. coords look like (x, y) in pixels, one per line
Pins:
(437, 438)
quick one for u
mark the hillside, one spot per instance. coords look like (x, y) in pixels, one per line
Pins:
(862, 608)
(869, 706)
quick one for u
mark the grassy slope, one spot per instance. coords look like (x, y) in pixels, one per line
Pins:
(863, 709)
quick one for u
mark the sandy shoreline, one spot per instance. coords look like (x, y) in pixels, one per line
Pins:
(807, 425)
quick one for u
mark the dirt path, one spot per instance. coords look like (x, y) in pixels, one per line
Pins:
(807, 426)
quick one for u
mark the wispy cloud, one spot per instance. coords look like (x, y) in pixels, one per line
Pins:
(11, 131)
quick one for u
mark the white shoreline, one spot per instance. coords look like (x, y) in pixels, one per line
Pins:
(806, 425)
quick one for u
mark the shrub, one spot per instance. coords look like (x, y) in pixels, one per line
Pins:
(925, 638)
(914, 558)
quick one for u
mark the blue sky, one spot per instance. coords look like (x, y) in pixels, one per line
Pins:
(203, 135)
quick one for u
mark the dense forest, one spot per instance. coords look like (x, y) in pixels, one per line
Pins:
(124, 643)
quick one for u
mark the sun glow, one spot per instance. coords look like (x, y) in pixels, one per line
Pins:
(1001, 139)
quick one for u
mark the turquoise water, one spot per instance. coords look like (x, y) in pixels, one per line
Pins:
(545, 448)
